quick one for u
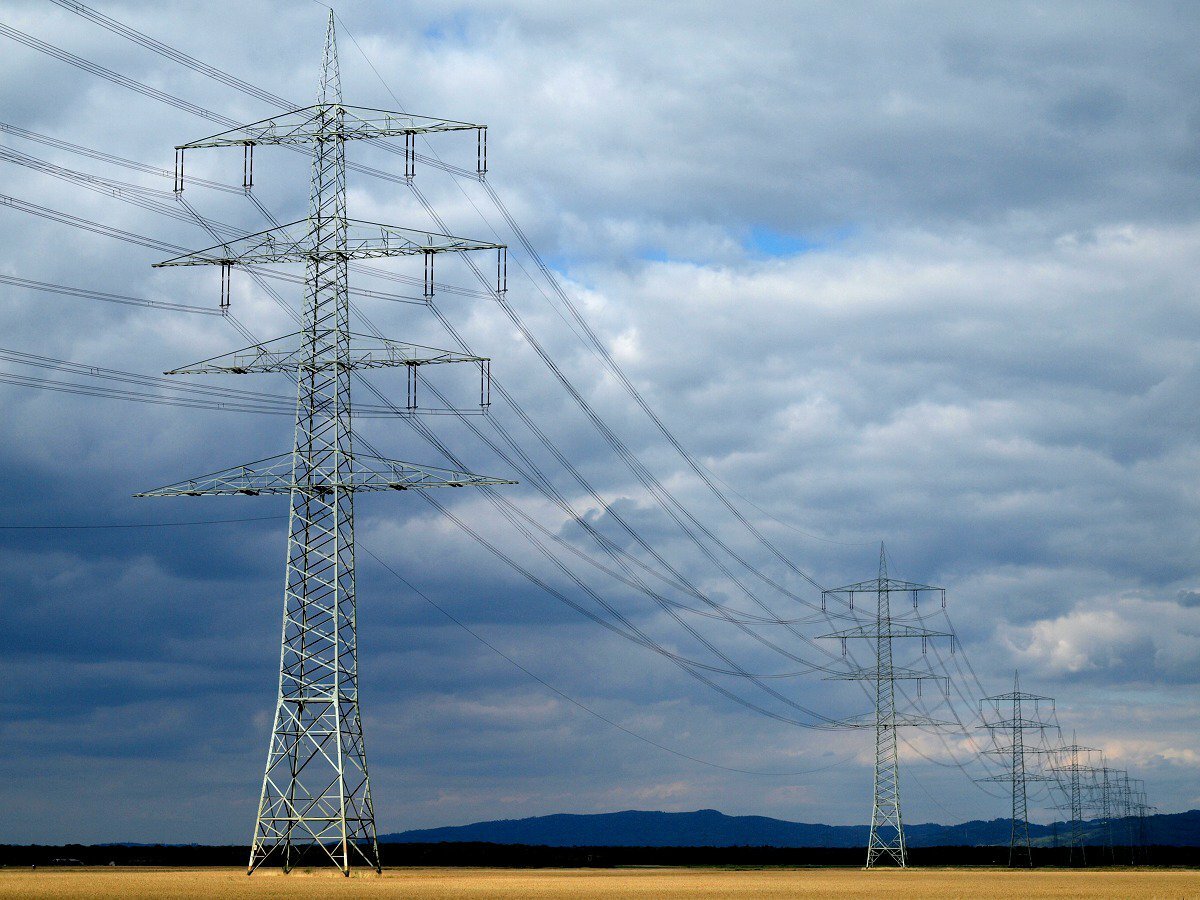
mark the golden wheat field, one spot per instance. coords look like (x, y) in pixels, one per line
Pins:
(641, 883)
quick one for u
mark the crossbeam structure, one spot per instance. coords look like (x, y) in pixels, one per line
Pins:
(288, 354)
(886, 840)
(1018, 774)
(316, 803)
(295, 242)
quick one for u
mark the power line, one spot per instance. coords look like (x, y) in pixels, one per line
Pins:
(90, 294)
(102, 526)
(704, 762)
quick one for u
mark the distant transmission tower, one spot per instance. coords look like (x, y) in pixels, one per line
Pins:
(316, 792)
(1101, 803)
(887, 825)
(1018, 774)
(1142, 809)
(1123, 800)
(1073, 768)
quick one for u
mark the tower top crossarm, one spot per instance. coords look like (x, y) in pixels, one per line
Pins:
(883, 583)
(309, 124)
(1019, 695)
(330, 121)
(1016, 698)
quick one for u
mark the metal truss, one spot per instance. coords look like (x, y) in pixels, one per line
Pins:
(1074, 769)
(1018, 775)
(887, 825)
(276, 475)
(305, 126)
(289, 354)
(294, 242)
(316, 801)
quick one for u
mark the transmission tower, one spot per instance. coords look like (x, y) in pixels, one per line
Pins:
(1018, 774)
(1142, 809)
(1101, 802)
(1123, 806)
(1073, 768)
(887, 825)
(316, 794)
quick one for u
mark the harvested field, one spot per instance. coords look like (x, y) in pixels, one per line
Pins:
(502, 884)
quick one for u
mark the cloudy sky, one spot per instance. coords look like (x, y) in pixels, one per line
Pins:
(919, 274)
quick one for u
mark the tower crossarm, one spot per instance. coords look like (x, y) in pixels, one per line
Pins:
(890, 630)
(896, 673)
(289, 353)
(1008, 750)
(294, 242)
(275, 475)
(1018, 695)
(874, 585)
(313, 123)
(900, 720)
(1014, 723)
(1023, 776)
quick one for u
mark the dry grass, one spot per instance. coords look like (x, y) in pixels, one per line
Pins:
(611, 884)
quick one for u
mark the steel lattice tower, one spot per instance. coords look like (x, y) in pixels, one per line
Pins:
(887, 825)
(1101, 802)
(1018, 774)
(1125, 807)
(1074, 769)
(316, 793)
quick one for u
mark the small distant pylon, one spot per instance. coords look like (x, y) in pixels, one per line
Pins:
(1124, 804)
(886, 839)
(1018, 774)
(1101, 802)
(1074, 769)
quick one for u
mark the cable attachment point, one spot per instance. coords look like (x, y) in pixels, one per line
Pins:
(178, 170)
(481, 151)
(225, 278)
(428, 276)
(410, 156)
(247, 166)
(501, 271)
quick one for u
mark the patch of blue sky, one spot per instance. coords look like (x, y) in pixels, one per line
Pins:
(450, 29)
(762, 241)
(655, 254)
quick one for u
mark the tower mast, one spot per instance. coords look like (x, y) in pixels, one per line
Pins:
(886, 839)
(316, 800)
(1018, 774)
(1074, 769)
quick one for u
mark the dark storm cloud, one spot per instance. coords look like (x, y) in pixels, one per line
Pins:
(918, 273)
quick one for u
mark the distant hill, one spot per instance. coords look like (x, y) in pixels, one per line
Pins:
(710, 828)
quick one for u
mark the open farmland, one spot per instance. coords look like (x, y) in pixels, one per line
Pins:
(500, 884)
